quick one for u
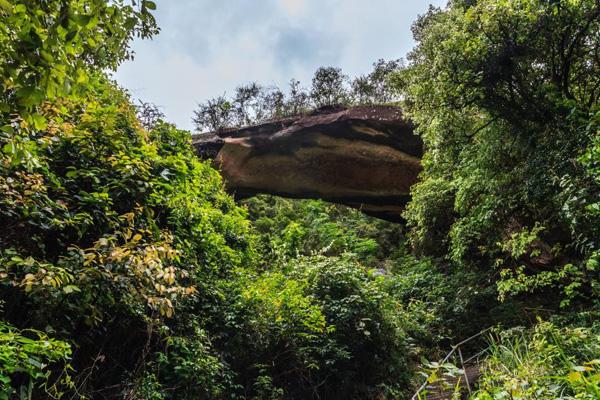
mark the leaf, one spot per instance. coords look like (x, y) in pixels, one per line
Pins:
(36, 363)
(149, 5)
(130, 23)
(71, 289)
(39, 122)
(30, 96)
(81, 76)
(5, 5)
(71, 35)
(433, 378)
(81, 19)
(574, 376)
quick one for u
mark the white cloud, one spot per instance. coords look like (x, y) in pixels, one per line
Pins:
(294, 8)
(209, 47)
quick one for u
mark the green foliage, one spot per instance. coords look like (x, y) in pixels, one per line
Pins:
(282, 300)
(429, 303)
(547, 362)
(367, 357)
(189, 367)
(48, 48)
(374, 88)
(113, 231)
(289, 228)
(253, 103)
(444, 378)
(281, 335)
(127, 271)
(329, 87)
(314, 327)
(504, 94)
(25, 358)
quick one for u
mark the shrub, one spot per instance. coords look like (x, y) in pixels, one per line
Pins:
(26, 359)
(289, 227)
(546, 362)
(111, 231)
(510, 143)
(369, 357)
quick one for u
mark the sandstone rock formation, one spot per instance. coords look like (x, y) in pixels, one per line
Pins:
(365, 157)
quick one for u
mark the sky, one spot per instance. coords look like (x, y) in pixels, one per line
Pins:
(206, 48)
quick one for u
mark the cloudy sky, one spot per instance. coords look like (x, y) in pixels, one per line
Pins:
(208, 47)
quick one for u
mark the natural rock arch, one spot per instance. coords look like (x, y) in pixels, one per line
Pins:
(365, 157)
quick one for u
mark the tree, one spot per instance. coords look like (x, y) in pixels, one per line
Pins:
(247, 104)
(505, 95)
(214, 114)
(52, 49)
(274, 103)
(379, 77)
(374, 88)
(363, 90)
(329, 87)
(149, 114)
(49, 48)
(298, 99)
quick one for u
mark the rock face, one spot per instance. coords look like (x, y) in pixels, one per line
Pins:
(363, 157)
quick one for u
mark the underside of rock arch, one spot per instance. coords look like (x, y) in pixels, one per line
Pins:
(364, 157)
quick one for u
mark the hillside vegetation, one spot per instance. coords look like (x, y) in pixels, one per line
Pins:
(127, 271)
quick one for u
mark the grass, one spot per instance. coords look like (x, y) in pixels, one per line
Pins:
(546, 362)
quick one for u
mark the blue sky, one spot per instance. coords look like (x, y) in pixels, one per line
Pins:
(208, 47)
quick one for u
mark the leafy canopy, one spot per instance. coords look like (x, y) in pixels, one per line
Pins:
(505, 95)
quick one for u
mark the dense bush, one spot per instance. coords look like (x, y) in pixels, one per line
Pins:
(26, 359)
(505, 97)
(112, 231)
(288, 228)
(367, 354)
